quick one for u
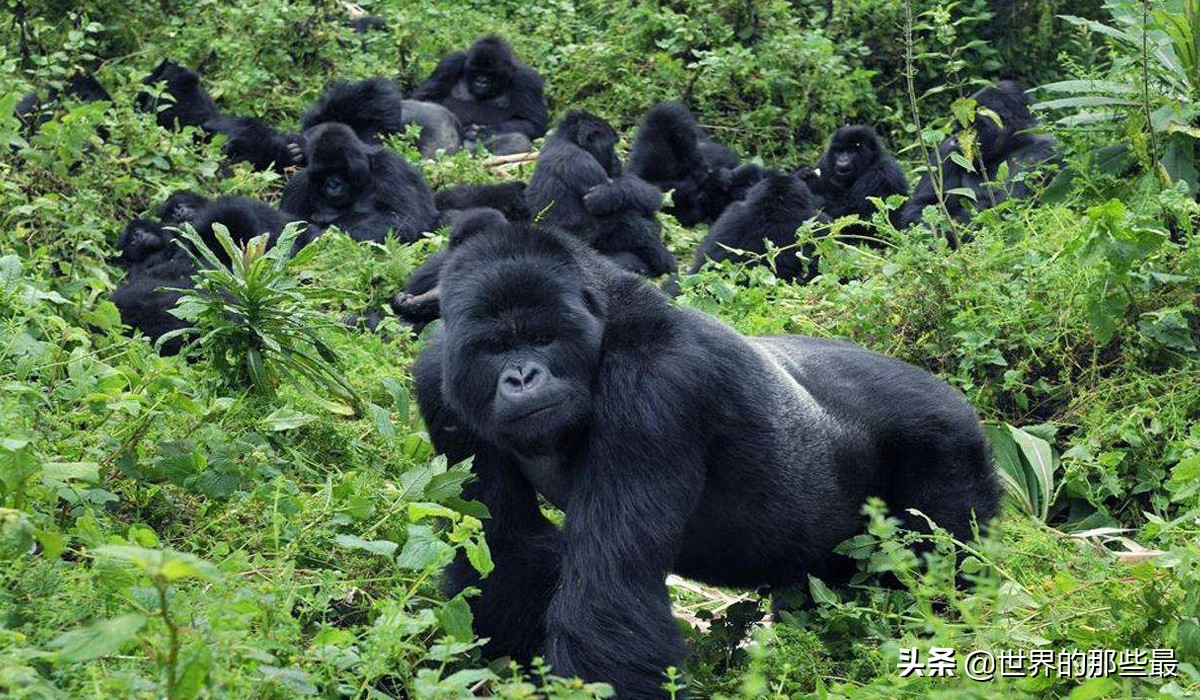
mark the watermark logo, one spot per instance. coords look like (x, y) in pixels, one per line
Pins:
(981, 665)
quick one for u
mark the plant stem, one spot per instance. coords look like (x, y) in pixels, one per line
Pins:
(172, 637)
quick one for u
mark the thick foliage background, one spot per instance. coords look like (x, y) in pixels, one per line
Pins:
(165, 532)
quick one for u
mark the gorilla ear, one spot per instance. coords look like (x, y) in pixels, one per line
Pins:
(475, 221)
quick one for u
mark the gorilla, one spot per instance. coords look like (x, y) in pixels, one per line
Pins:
(248, 140)
(145, 244)
(255, 142)
(498, 99)
(188, 104)
(375, 107)
(855, 167)
(243, 218)
(33, 109)
(419, 303)
(181, 208)
(578, 187)
(1002, 136)
(365, 190)
(671, 443)
(772, 210)
(508, 198)
(672, 152)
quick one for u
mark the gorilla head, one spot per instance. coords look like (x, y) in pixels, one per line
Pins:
(489, 68)
(339, 164)
(1001, 111)
(851, 151)
(181, 208)
(527, 331)
(141, 241)
(188, 104)
(594, 135)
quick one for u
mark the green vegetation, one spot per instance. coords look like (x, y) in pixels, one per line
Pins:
(268, 520)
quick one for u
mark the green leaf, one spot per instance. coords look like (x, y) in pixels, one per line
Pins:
(62, 472)
(159, 563)
(479, 556)
(99, 639)
(423, 550)
(455, 617)
(821, 593)
(383, 422)
(286, 419)
(1042, 461)
(384, 548)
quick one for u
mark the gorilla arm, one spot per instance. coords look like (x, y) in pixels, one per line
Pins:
(448, 72)
(627, 192)
(635, 489)
(528, 102)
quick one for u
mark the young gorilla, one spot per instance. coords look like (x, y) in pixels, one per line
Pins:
(375, 107)
(249, 140)
(578, 187)
(367, 191)
(181, 208)
(855, 167)
(673, 153)
(1001, 126)
(33, 109)
(498, 99)
(772, 210)
(672, 444)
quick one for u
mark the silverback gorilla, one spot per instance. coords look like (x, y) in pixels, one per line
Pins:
(498, 99)
(1002, 130)
(672, 444)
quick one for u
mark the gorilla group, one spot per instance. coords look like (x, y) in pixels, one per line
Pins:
(671, 443)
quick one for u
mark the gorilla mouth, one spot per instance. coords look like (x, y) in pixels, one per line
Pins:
(538, 410)
(841, 171)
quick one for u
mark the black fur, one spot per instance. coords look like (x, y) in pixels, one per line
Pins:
(1008, 141)
(855, 167)
(671, 443)
(773, 210)
(372, 108)
(181, 207)
(493, 94)
(244, 218)
(508, 198)
(578, 187)
(190, 106)
(153, 260)
(672, 152)
(255, 142)
(33, 109)
(367, 191)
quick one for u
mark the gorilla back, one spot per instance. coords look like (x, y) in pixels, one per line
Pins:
(671, 442)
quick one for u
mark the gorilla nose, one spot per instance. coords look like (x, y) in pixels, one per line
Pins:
(523, 380)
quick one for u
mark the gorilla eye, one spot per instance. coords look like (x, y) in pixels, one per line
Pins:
(541, 339)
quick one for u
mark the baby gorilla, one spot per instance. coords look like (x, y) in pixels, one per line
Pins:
(772, 211)
(367, 191)
(578, 187)
(672, 444)
(1002, 135)
(855, 168)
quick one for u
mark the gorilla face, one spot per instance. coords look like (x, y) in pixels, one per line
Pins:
(181, 207)
(141, 239)
(489, 69)
(522, 336)
(852, 150)
(339, 164)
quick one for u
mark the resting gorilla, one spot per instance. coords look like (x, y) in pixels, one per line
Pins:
(508, 198)
(498, 99)
(364, 190)
(374, 108)
(181, 208)
(772, 210)
(673, 153)
(672, 444)
(1006, 141)
(855, 167)
(578, 187)
(156, 263)
(249, 140)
